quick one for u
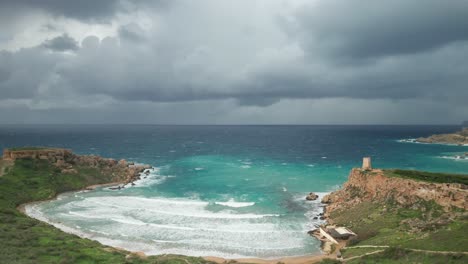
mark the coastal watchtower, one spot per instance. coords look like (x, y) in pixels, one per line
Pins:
(366, 163)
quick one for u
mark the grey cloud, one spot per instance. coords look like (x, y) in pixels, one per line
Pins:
(82, 9)
(131, 32)
(61, 43)
(23, 72)
(86, 10)
(365, 29)
(348, 60)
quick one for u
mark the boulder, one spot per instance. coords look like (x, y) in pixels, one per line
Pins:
(311, 197)
(327, 199)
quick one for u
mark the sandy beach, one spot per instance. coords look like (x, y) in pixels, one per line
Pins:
(289, 260)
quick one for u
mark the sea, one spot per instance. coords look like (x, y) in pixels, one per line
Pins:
(226, 191)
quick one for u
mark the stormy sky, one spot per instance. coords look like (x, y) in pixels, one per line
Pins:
(234, 62)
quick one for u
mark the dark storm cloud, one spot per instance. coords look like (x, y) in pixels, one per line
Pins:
(341, 50)
(61, 43)
(86, 10)
(23, 72)
(363, 29)
(82, 9)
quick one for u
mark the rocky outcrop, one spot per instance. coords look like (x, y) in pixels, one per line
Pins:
(52, 154)
(70, 163)
(458, 138)
(374, 186)
(312, 197)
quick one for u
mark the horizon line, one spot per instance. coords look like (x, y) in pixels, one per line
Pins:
(201, 124)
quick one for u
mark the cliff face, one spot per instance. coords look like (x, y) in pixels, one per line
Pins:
(460, 137)
(374, 186)
(40, 153)
(68, 162)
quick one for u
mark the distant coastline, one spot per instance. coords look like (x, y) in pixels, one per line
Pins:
(459, 138)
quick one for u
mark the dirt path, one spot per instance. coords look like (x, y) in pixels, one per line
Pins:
(413, 249)
(410, 249)
(367, 254)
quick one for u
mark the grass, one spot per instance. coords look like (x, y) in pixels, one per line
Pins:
(352, 252)
(400, 255)
(26, 240)
(428, 176)
(378, 225)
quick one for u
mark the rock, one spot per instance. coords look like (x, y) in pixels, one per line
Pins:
(311, 197)
(326, 199)
(322, 218)
(60, 163)
(315, 217)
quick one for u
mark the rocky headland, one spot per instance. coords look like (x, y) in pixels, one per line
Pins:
(118, 171)
(457, 138)
(411, 210)
(378, 186)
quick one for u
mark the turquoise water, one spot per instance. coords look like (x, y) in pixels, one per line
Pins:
(230, 191)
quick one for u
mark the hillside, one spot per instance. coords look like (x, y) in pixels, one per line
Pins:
(402, 216)
(27, 179)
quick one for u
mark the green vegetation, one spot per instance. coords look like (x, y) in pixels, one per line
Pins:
(399, 255)
(330, 261)
(353, 252)
(428, 176)
(390, 225)
(26, 240)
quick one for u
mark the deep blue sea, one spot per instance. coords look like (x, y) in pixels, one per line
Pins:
(230, 191)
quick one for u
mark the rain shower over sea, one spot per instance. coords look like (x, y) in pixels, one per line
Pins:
(227, 191)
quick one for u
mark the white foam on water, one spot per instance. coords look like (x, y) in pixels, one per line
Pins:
(199, 169)
(159, 225)
(167, 206)
(153, 178)
(456, 158)
(414, 140)
(232, 203)
(245, 166)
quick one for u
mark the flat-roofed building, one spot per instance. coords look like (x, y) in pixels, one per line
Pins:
(341, 232)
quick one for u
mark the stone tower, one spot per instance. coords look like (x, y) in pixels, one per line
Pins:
(366, 163)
